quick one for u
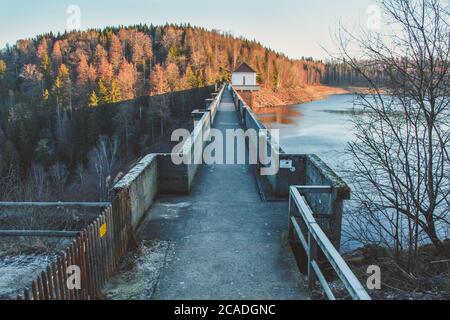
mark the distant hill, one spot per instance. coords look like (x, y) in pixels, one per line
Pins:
(113, 64)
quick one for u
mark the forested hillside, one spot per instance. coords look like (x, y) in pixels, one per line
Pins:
(58, 137)
(97, 66)
(341, 74)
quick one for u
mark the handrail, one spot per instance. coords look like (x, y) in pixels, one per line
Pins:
(316, 239)
(237, 94)
(197, 131)
(55, 204)
(39, 233)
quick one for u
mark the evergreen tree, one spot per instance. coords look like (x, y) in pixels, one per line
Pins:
(93, 100)
(45, 95)
(126, 80)
(44, 62)
(192, 79)
(61, 88)
(103, 94)
(114, 93)
(2, 69)
(82, 70)
(115, 52)
(159, 83)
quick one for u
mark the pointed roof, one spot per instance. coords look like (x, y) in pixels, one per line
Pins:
(244, 68)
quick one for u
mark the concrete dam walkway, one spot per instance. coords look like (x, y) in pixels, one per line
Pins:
(228, 243)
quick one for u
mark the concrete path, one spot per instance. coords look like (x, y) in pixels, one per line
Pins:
(228, 244)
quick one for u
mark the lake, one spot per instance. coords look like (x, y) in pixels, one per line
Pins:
(321, 127)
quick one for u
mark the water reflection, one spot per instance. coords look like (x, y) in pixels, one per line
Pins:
(281, 115)
(322, 127)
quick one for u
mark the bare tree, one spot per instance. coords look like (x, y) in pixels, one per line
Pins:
(36, 186)
(10, 185)
(401, 154)
(104, 159)
(81, 174)
(164, 111)
(160, 107)
(124, 121)
(59, 175)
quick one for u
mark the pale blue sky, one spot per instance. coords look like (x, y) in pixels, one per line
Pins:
(295, 27)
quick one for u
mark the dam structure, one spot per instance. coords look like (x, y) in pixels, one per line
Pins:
(236, 234)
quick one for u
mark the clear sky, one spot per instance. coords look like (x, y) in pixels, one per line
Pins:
(295, 27)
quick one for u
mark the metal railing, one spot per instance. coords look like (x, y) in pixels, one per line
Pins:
(307, 231)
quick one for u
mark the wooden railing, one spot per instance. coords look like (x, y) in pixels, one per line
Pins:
(304, 228)
(95, 252)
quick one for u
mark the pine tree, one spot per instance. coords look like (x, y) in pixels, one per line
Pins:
(57, 55)
(192, 79)
(115, 52)
(114, 93)
(103, 93)
(105, 70)
(173, 76)
(99, 54)
(126, 80)
(82, 75)
(2, 69)
(45, 95)
(61, 88)
(93, 100)
(158, 81)
(92, 77)
(44, 62)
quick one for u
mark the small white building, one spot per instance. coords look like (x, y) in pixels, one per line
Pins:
(244, 78)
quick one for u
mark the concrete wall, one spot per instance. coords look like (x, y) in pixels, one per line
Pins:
(157, 173)
(250, 121)
(141, 186)
(172, 179)
(179, 179)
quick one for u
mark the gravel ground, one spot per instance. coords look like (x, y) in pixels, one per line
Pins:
(21, 261)
(138, 275)
(17, 273)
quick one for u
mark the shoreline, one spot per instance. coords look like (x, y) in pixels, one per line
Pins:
(267, 98)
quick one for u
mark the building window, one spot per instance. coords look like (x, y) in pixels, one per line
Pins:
(244, 80)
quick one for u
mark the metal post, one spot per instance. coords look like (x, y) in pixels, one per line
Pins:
(312, 256)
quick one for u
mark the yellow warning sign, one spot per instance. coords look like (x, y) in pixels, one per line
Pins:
(102, 230)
